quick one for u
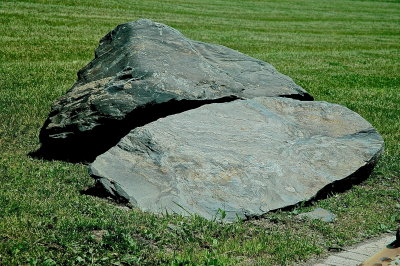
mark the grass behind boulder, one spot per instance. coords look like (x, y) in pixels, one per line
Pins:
(344, 52)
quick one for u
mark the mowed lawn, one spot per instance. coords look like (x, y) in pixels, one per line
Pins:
(345, 52)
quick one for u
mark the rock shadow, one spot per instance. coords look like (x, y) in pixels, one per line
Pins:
(86, 146)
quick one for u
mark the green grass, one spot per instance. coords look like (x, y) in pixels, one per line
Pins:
(344, 52)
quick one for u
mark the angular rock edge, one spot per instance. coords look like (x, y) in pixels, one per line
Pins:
(105, 187)
(366, 134)
(133, 61)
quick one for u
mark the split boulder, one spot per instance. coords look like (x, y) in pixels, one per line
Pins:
(187, 127)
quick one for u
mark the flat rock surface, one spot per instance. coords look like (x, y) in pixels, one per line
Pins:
(142, 64)
(319, 214)
(245, 157)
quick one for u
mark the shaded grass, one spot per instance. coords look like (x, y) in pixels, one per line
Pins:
(345, 52)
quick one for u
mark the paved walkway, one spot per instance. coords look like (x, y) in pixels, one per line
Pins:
(357, 254)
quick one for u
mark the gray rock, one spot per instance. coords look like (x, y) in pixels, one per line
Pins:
(245, 157)
(140, 65)
(319, 214)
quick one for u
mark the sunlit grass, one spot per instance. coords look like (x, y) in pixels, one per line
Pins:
(344, 52)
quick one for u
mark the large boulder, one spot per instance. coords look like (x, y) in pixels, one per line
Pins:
(143, 71)
(242, 158)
